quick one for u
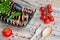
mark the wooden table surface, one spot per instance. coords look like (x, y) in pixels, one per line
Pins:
(36, 25)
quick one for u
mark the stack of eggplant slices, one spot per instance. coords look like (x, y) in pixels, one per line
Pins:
(14, 14)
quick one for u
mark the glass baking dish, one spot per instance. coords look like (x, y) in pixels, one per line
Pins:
(23, 5)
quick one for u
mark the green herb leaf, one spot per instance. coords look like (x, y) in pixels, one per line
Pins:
(2, 0)
(11, 16)
(14, 14)
(17, 14)
(1, 5)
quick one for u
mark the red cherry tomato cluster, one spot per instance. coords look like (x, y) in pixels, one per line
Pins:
(46, 14)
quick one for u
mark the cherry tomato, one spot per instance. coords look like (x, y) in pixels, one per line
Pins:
(51, 18)
(49, 6)
(49, 11)
(43, 13)
(7, 32)
(42, 9)
(47, 20)
(43, 17)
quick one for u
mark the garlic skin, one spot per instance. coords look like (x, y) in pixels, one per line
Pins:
(47, 32)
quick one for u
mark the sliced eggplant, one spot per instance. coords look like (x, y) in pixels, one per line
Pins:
(11, 22)
(21, 24)
(5, 19)
(17, 7)
(8, 21)
(2, 16)
(18, 21)
(14, 22)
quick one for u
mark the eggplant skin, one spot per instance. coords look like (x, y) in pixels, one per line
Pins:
(17, 7)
